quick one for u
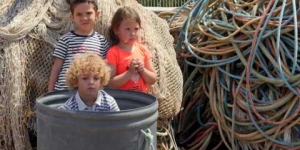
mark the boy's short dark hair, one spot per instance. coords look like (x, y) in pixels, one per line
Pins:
(74, 3)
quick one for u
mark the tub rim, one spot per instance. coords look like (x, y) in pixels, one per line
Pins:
(92, 115)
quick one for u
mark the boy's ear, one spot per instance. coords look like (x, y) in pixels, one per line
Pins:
(72, 16)
(75, 86)
(97, 14)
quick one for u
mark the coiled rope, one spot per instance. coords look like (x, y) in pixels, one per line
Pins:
(241, 72)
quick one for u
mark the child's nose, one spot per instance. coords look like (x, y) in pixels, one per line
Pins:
(84, 17)
(92, 81)
(133, 33)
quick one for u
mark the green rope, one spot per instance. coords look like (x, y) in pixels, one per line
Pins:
(149, 139)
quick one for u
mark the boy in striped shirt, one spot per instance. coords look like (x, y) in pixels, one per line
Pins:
(83, 39)
(87, 74)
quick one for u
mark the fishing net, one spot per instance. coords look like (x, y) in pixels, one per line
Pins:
(240, 62)
(28, 32)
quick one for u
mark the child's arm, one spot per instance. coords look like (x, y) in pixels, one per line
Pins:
(56, 67)
(117, 81)
(147, 71)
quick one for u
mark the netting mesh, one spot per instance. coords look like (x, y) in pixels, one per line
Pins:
(28, 32)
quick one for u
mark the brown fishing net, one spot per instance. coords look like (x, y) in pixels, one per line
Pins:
(28, 32)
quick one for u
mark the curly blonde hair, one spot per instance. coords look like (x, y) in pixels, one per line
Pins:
(87, 63)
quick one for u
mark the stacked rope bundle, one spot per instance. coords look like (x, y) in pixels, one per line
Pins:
(28, 32)
(242, 56)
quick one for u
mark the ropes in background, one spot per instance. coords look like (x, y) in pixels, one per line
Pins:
(28, 31)
(241, 69)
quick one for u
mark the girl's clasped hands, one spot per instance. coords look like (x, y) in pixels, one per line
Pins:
(136, 66)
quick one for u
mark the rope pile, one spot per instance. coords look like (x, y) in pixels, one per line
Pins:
(29, 29)
(241, 73)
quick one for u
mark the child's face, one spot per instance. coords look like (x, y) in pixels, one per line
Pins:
(128, 31)
(84, 16)
(89, 85)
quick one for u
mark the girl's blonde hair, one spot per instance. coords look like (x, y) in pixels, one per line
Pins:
(122, 14)
(87, 63)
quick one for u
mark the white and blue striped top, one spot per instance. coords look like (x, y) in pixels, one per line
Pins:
(71, 44)
(104, 102)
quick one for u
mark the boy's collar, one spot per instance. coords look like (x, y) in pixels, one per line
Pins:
(81, 104)
(92, 34)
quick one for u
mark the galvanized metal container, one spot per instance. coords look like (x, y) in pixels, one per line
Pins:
(79, 130)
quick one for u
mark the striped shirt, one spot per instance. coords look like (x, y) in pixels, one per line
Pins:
(72, 44)
(104, 102)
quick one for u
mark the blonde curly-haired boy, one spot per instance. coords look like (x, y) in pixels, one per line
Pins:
(87, 74)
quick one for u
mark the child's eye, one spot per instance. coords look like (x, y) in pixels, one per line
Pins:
(136, 29)
(78, 14)
(96, 77)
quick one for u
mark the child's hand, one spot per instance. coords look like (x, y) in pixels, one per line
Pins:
(133, 66)
(140, 67)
